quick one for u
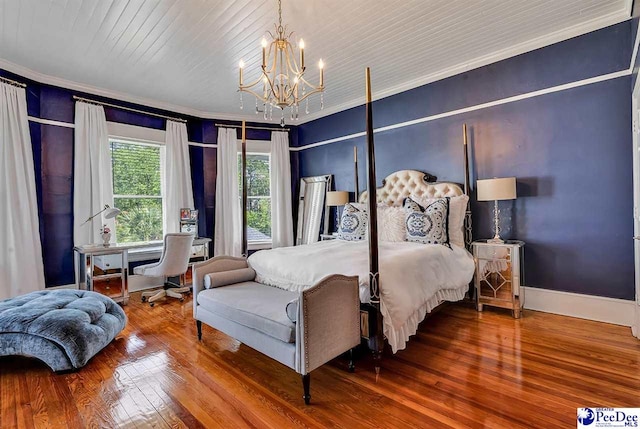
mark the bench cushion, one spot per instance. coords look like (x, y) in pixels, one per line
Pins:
(253, 305)
(64, 328)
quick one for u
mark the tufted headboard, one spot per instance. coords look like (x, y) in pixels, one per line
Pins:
(401, 184)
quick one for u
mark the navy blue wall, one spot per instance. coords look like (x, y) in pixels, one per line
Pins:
(570, 150)
(53, 159)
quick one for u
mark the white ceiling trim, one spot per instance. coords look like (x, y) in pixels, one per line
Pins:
(583, 28)
(531, 45)
(89, 89)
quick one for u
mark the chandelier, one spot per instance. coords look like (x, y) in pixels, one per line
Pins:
(281, 83)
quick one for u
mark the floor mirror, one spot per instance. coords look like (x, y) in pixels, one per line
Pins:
(312, 209)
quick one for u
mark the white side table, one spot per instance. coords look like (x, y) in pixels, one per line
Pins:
(499, 274)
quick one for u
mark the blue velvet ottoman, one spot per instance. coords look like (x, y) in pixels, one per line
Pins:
(63, 328)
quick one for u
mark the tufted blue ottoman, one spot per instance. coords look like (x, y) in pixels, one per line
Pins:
(63, 328)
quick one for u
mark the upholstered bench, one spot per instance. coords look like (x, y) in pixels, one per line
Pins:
(300, 330)
(63, 328)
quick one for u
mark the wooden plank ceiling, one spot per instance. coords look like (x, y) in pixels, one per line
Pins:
(183, 54)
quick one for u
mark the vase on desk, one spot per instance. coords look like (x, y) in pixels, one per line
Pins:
(106, 238)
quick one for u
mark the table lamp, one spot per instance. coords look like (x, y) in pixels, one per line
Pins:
(337, 198)
(496, 189)
(110, 212)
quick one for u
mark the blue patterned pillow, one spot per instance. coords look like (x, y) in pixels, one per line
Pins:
(353, 223)
(428, 225)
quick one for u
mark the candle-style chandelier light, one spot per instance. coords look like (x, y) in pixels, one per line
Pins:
(282, 78)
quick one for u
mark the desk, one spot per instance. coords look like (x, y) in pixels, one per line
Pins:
(88, 271)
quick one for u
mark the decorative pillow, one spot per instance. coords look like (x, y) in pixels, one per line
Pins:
(428, 225)
(391, 224)
(457, 213)
(353, 223)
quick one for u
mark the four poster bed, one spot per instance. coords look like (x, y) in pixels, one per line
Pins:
(307, 304)
(413, 278)
(399, 282)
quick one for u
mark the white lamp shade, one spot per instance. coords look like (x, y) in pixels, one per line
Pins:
(337, 198)
(497, 189)
(111, 213)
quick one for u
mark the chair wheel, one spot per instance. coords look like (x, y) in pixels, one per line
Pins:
(181, 299)
(144, 299)
(151, 304)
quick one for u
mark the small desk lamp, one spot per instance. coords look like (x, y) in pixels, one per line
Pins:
(337, 198)
(110, 212)
(496, 190)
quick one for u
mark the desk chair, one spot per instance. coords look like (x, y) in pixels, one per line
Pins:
(173, 262)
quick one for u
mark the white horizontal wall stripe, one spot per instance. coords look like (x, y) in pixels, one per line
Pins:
(525, 96)
(70, 125)
(207, 146)
(50, 122)
(324, 142)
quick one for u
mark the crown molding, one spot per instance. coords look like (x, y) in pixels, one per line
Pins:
(512, 51)
(533, 44)
(121, 96)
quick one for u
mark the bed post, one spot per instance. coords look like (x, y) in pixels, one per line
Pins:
(355, 168)
(374, 285)
(244, 190)
(468, 236)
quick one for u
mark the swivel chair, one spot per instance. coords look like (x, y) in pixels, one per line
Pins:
(174, 262)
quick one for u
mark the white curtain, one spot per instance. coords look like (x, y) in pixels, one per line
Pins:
(281, 213)
(92, 181)
(228, 221)
(21, 268)
(176, 178)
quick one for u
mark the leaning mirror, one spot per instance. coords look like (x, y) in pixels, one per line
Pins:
(312, 209)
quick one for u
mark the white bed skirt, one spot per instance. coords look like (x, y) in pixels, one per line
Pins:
(414, 278)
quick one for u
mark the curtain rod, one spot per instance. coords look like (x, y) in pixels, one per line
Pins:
(102, 103)
(251, 128)
(13, 82)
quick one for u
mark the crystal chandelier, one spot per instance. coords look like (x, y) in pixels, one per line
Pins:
(282, 78)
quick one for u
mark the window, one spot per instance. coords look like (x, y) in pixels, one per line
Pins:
(258, 196)
(137, 190)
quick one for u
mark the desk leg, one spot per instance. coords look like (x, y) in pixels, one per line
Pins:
(125, 277)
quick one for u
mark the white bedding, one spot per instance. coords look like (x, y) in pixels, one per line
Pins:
(414, 277)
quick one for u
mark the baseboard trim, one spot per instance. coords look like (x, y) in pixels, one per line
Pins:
(598, 308)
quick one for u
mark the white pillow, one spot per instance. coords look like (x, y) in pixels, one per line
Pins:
(457, 212)
(391, 224)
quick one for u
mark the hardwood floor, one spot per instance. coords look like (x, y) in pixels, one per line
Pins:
(463, 369)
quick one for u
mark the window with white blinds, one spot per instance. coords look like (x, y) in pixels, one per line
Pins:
(137, 190)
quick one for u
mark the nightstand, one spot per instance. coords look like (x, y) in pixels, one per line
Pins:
(499, 274)
(326, 237)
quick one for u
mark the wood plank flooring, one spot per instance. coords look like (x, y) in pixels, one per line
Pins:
(463, 369)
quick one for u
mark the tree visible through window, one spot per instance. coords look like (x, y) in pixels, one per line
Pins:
(137, 191)
(258, 196)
